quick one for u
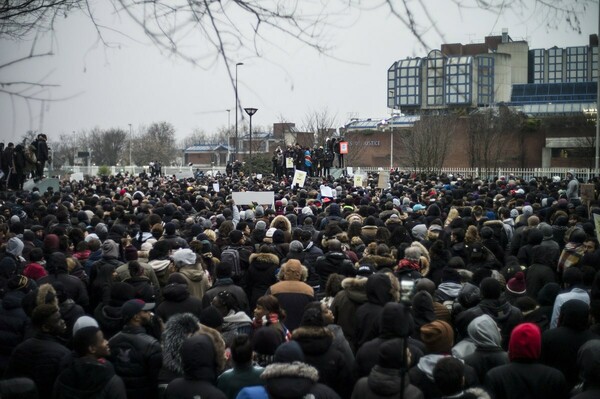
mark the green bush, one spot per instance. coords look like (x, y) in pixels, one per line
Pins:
(259, 164)
(103, 170)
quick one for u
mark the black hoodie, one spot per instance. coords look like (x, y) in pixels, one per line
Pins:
(199, 369)
(561, 344)
(89, 378)
(177, 299)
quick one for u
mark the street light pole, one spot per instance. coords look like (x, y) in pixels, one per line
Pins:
(130, 139)
(250, 112)
(597, 163)
(236, 108)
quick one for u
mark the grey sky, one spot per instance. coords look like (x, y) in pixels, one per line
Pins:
(134, 83)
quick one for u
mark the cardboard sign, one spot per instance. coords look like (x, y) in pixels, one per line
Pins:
(597, 224)
(343, 147)
(216, 187)
(299, 178)
(586, 192)
(289, 163)
(384, 178)
(358, 181)
(350, 171)
(249, 197)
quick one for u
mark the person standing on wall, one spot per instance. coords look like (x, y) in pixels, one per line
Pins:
(41, 154)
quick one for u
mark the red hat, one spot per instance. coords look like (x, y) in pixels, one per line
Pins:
(326, 200)
(525, 342)
(516, 285)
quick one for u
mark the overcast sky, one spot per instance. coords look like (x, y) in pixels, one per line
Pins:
(133, 83)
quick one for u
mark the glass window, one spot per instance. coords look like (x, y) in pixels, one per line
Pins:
(435, 78)
(410, 82)
(458, 80)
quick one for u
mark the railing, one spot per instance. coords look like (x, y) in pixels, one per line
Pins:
(166, 170)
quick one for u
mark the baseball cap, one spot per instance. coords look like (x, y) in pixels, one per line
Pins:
(134, 306)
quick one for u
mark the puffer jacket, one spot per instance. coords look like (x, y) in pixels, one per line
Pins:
(261, 275)
(197, 279)
(89, 378)
(385, 383)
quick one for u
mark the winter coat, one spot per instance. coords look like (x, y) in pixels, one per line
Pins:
(396, 322)
(332, 262)
(74, 287)
(85, 378)
(379, 262)
(488, 342)
(200, 371)
(381, 288)
(504, 314)
(316, 344)
(385, 383)
(70, 312)
(536, 276)
(262, 273)
(289, 381)
(293, 296)
(197, 279)
(518, 380)
(234, 324)
(232, 381)
(13, 325)
(137, 358)
(560, 345)
(177, 299)
(226, 284)
(421, 376)
(40, 358)
(345, 304)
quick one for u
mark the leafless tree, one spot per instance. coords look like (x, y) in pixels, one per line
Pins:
(426, 144)
(491, 133)
(321, 123)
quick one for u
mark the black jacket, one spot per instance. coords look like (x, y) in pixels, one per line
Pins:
(89, 378)
(332, 262)
(177, 299)
(261, 275)
(226, 284)
(345, 304)
(381, 289)
(316, 343)
(13, 325)
(518, 380)
(137, 358)
(109, 319)
(74, 287)
(40, 358)
(385, 383)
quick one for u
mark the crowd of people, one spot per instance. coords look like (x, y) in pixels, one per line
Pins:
(24, 159)
(434, 287)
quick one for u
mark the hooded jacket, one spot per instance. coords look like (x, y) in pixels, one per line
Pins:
(560, 345)
(332, 262)
(197, 280)
(13, 325)
(177, 299)
(488, 354)
(381, 288)
(316, 344)
(89, 378)
(385, 383)
(345, 304)
(58, 272)
(261, 275)
(199, 371)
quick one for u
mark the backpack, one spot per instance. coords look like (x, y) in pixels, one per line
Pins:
(233, 256)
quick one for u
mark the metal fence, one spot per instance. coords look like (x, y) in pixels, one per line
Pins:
(527, 174)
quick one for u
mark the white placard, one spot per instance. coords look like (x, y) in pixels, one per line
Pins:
(299, 178)
(77, 176)
(289, 163)
(259, 176)
(326, 191)
(249, 197)
(384, 178)
(350, 171)
(216, 187)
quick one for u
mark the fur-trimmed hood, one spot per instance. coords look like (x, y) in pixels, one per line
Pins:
(282, 223)
(289, 380)
(46, 295)
(176, 331)
(355, 288)
(378, 261)
(341, 237)
(383, 288)
(264, 258)
(219, 344)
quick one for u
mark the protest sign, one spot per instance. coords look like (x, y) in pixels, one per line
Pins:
(250, 197)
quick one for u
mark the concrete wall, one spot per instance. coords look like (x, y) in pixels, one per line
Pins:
(502, 77)
(519, 53)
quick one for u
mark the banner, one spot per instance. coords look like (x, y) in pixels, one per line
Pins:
(299, 178)
(249, 197)
(343, 147)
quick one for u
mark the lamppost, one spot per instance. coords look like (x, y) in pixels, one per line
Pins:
(130, 139)
(236, 108)
(250, 112)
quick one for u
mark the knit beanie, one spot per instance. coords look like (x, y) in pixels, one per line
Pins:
(391, 354)
(296, 246)
(437, 336)
(211, 317)
(516, 285)
(83, 322)
(260, 225)
(525, 342)
(289, 352)
(131, 253)
(450, 275)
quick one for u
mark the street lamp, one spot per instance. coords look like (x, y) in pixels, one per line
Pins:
(130, 139)
(236, 108)
(250, 112)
